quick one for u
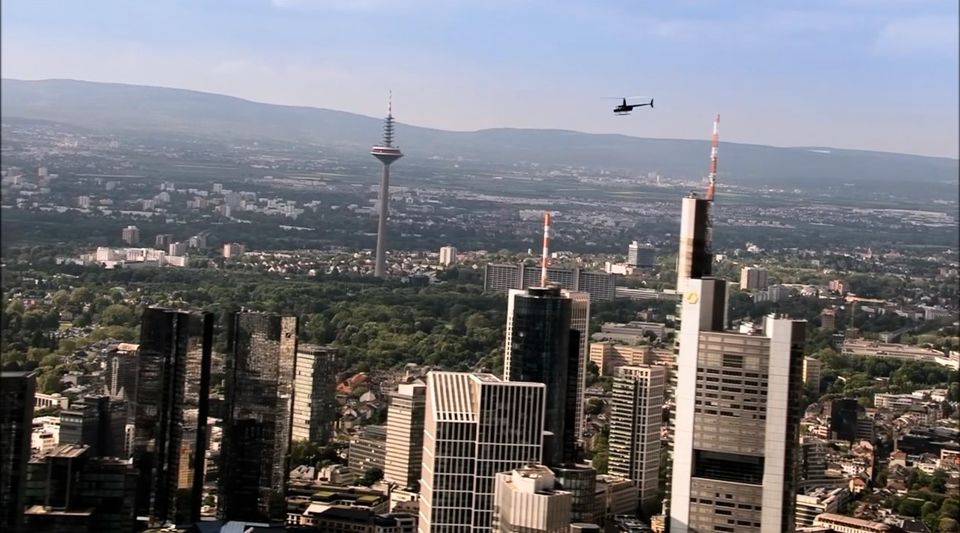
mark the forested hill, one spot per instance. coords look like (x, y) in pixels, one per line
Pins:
(119, 108)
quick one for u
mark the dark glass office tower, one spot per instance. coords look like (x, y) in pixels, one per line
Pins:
(844, 413)
(16, 423)
(542, 348)
(258, 394)
(172, 405)
(97, 422)
(69, 489)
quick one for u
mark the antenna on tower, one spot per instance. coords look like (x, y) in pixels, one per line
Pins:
(545, 258)
(714, 148)
(388, 122)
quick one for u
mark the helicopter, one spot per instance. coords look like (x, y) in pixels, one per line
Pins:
(624, 108)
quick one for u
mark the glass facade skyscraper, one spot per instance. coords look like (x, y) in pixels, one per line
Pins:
(258, 393)
(541, 347)
(173, 393)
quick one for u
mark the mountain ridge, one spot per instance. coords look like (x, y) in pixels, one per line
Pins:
(146, 109)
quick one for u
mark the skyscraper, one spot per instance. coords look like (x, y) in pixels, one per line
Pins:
(635, 418)
(387, 153)
(122, 373)
(694, 259)
(258, 394)
(16, 424)
(404, 455)
(315, 393)
(541, 347)
(70, 489)
(580, 322)
(475, 427)
(527, 499)
(97, 422)
(737, 420)
(172, 405)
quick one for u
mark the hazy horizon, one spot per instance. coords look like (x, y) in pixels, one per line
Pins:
(878, 76)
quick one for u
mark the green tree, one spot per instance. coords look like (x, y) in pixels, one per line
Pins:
(117, 315)
(370, 476)
(81, 295)
(594, 407)
(938, 481)
(61, 298)
(910, 507)
(949, 525)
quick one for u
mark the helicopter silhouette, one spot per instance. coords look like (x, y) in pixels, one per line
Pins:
(624, 108)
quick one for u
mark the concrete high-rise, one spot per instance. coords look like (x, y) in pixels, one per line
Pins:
(405, 416)
(258, 394)
(737, 420)
(502, 277)
(367, 449)
(527, 499)
(635, 419)
(476, 426)
(387, 154)
(16, 424)
(580, 322)
(315, 393)
(694, 259)
(811, 372)
(753, 278)
(542, 347)
(171, 411)
(131, 235)
(448, 255)
(641, 255)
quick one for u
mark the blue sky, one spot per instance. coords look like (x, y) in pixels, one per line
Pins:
(870, 74)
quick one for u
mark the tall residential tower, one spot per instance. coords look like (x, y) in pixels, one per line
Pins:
(635, 419)
(387, 153)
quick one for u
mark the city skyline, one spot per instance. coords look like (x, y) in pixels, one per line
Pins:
(858, 69)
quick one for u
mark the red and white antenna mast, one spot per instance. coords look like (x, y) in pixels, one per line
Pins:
(545, 258)
(714, 148)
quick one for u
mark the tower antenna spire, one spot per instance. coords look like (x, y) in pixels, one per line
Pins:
(714, 148)
(545, 257)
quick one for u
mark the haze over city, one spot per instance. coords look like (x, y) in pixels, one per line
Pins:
(846, 74)
(309, 266)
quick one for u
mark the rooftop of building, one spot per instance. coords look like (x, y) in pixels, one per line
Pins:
(15, 374)
(64, 451)
(867, 525)
(39, 510)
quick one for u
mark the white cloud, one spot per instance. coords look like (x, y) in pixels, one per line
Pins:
(913, 35)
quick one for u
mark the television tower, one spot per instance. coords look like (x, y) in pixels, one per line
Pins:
(387, 153)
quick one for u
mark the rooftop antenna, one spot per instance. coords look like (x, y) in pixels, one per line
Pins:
(545, 258)
(714, 148)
